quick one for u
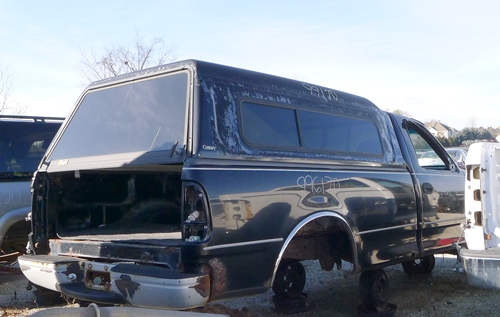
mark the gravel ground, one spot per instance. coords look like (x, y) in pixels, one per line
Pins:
(443, 293)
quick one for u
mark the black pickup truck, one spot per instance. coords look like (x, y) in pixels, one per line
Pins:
(193, 182)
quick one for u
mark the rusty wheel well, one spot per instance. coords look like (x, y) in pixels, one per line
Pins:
(325, 239)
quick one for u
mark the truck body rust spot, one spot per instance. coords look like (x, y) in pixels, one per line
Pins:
(219, 273)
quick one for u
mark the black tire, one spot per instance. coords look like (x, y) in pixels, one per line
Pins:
(374, 290)
(290, 279)
(419, 266)
(46, 298)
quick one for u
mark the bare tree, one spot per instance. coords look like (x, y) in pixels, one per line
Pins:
(120, 59)
(6, 81)
(472, 121)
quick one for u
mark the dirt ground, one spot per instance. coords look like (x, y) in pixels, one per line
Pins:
(445, 292)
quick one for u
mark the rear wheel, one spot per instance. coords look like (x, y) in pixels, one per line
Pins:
(423, 265)
(290, 279)
(374, 290)
(45, 297)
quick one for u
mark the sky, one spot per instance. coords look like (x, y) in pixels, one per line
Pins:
(434, 60)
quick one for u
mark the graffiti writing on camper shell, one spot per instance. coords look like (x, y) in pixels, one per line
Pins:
(317, 184)
(324, 93)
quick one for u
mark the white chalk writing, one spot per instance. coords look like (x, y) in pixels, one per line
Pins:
(324, 93)
(317, 184)
(10, 197)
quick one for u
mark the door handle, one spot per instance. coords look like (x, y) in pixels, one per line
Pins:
(427, 188)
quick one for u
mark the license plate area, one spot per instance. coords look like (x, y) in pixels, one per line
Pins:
(97, 276)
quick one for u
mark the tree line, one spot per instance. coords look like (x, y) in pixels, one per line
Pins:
(467, 136)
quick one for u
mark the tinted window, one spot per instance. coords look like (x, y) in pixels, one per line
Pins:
(145, 115)
(269, 126)
(276, 127)
(23, 144)
(340, 134)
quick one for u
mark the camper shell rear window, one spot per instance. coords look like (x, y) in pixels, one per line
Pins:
(267, 126)
(145, 115)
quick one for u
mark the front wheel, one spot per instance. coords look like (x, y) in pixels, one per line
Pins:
(290, 279)
(374, 290)
(423, 265)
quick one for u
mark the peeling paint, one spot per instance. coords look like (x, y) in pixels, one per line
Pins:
(203, 286)
(74, 268)
(126, 286)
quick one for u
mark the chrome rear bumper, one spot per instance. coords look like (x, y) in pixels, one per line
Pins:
(117, 283)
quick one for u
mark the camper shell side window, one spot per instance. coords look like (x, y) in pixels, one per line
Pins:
(267, 126)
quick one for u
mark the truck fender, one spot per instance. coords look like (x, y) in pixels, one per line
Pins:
(10, 218)
(305, 221)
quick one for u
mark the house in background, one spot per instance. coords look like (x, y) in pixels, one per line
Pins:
(439, 129)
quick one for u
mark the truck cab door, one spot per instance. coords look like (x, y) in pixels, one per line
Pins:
(439, 185)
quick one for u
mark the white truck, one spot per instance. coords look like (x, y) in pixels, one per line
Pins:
(481, 257)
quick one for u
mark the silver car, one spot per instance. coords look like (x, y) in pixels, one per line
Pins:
(459, 155)
(23, 141)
